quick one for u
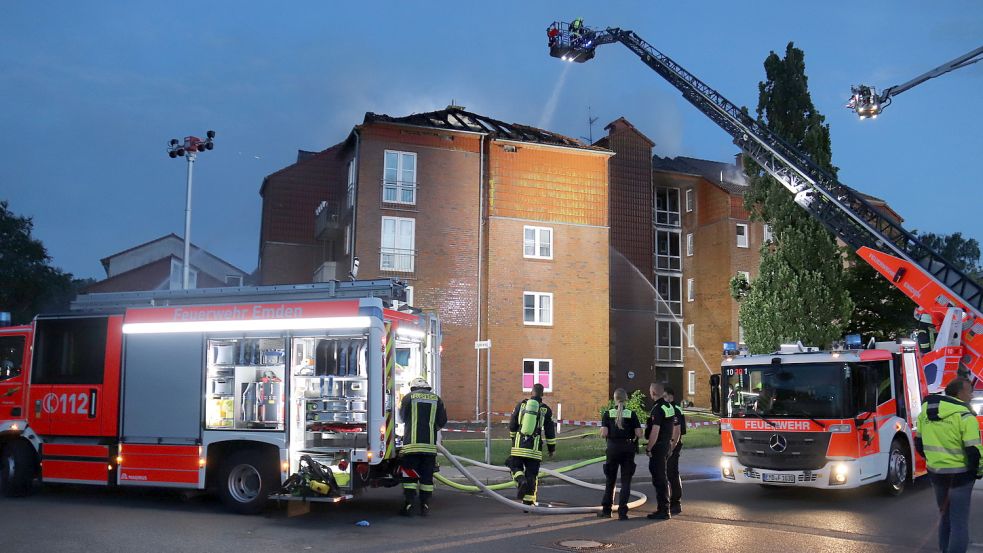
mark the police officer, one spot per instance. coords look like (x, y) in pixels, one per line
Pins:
(661, 430)
(672, 467)
(423, 414)
(531, 419)
(621, 428)
(949, 438)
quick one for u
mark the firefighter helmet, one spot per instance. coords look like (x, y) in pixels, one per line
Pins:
(419, 383)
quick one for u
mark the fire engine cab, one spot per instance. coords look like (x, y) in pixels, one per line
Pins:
(225, 389)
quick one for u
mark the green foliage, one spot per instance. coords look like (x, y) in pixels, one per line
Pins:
(964, 253)
(636, 402)
(739, 287)
(800, 292)
(880, 309)
(28, 284)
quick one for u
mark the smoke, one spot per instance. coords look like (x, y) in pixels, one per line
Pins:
(734, 174)
(546, 120)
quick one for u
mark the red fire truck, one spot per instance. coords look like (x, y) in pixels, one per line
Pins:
(222, 389)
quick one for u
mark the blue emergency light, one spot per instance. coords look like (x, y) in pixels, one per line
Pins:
(730, 348)
(852, 341)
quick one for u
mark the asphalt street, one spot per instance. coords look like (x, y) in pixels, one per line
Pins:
(716, 517)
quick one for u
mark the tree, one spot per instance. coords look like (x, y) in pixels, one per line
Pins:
(28, 283)
(880, 309)
(964, 253)
(800, 293)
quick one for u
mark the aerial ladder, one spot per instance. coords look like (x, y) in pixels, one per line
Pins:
(952, 300)
(867, 103)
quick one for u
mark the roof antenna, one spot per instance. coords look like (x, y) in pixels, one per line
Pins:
(455, 106)
(590, 128)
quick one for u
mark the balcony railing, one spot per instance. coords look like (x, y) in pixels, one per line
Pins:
(327, 219)
(397, 262)
(399, 194)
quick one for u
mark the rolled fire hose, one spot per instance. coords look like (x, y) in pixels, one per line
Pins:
(642, 498)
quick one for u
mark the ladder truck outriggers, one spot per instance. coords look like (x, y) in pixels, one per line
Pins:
(834, 419)
(287, 392)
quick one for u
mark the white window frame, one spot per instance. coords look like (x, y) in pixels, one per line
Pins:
(394, 250)
(766, 235)
(690, 340)
(667, 260)
(743, 237)
(177, 276)
(690, 200)
(409, 296)
(538, 309)
(537, 242)
(668, 342)
(690, 289)
(348, 239)
(689, 244)
(350, 194)
(747, 275)
(691, 383)
(536, 373)
(400, 185)
(667, 213)
(672, 300)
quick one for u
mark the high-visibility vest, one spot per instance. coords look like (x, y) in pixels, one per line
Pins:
(423, 417)
(947, 427)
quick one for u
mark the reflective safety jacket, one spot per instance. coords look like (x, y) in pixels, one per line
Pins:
(949, 436)
(531, 446)
(423, 415)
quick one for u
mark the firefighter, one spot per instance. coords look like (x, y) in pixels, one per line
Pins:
(621, 429)
(662, 430)
(949, 439)
(672, 467)
(531, 419)
(423, 414)
(576, 28)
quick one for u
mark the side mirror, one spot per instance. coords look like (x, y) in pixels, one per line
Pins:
(715, 394)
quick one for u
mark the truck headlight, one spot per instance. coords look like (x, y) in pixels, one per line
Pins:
(839, 474)
(727, 468)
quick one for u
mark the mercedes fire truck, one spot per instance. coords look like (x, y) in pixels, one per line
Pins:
(229, 389)
(801, 417)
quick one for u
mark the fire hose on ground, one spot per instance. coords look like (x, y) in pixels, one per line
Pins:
(490, 490)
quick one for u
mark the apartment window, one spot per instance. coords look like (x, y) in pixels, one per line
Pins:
(690, 200)
(668, 342)
(177, 276)
(537, 371)
(689, 245)
(690, 289)
(399, 179)
(742, 241)
(745, 274)
(348, 239)
(537, 308)
(690, 340)
(670, 295)
(691, 383)
(537, 242)
(667, 206)
(766, 231)
(398, 239)
(667, 250)
(350, 195)
(233, 280)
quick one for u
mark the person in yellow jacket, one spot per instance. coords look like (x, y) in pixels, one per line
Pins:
(423, 415)
(949, 439)
(531, 420)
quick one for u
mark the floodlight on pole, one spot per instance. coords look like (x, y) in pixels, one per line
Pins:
(189, 149)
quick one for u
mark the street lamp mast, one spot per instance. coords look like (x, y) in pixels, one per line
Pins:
(189, 149)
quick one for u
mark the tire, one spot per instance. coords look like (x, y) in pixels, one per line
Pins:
(898, 469)
(18, 465)
(246, 480)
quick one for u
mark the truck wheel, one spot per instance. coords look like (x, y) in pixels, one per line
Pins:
(246, 481)
(17, 469)
(898, 472)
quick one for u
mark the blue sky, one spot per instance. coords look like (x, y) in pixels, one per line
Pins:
(91, 92)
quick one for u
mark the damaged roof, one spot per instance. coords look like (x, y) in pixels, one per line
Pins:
(725, 175)
(457, 119)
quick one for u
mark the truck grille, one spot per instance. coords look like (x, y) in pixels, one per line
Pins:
(803, 450)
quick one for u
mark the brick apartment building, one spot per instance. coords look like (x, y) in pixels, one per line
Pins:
(502, 229)
(689, 213)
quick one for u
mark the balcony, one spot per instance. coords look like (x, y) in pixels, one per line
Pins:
(327, 272)
(399, 195)
(327, 220)
(397, 262)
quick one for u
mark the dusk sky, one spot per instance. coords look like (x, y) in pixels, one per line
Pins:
(92, 91)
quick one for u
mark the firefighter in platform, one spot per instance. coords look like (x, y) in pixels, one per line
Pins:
(531, 420)
(622, 430)
(662, 431)
(949, 438)
(672, 467)
(423, 414)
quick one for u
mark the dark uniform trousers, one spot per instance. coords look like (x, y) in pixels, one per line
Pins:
(620, 456)
(417, 470)
(528, 469)
(675, 482)
(658, 466)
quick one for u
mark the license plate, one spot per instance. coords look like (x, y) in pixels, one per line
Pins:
(783, 478)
